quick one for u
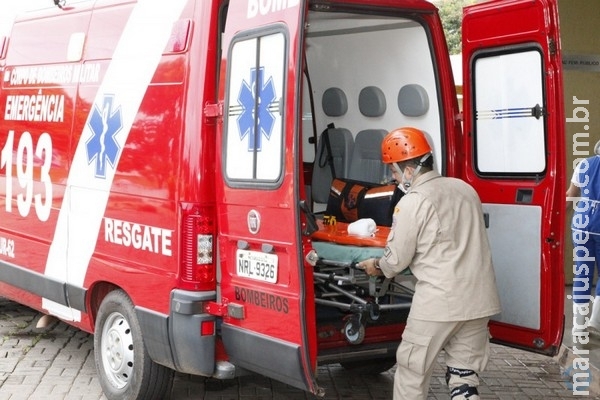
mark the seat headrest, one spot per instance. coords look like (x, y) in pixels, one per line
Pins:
(371, 102)
(334, 102)
(413, 100)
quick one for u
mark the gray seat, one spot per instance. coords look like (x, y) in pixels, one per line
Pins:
(341, 143)
(366, 165)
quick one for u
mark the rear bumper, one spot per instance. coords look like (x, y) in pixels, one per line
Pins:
(175, 341)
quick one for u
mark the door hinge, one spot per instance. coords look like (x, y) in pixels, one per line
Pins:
(213, 110)
(231, 310)
(216, 309)
(552, 47)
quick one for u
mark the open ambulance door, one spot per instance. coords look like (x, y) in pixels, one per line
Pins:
(514, 147)
(267, 305)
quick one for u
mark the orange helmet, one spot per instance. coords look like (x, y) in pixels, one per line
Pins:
(404, 144)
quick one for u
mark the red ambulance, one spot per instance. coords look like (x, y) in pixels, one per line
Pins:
(179, 177)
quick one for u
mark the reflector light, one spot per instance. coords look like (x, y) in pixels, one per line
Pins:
(207, 328)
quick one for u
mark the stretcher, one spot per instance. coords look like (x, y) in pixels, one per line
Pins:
(341, 285)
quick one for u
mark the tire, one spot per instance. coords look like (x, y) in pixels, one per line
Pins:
(369, 367)
(124, 367)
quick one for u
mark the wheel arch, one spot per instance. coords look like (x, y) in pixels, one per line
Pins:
(96, 295)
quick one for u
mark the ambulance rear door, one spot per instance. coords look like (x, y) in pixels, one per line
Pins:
(262, 288)
(515, 152)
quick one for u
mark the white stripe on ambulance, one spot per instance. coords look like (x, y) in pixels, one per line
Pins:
(138, 236)
(133, 64)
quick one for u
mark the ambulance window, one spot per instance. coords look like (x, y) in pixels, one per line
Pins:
(254, 111)
(509, 113)
(3, 42)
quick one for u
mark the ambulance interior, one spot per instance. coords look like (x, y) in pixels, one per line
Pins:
(366, 74)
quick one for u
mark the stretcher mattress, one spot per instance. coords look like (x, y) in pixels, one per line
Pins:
(345, 253)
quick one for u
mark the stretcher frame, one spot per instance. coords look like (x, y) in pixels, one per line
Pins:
(340, 284)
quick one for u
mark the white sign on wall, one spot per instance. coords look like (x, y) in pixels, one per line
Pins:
(581, 62)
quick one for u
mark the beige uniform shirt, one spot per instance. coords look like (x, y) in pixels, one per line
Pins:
(439, 232)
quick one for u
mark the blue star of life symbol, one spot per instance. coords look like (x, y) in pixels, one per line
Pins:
(102, 147)
(258, 103)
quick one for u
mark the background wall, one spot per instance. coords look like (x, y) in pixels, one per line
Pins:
(580, 36)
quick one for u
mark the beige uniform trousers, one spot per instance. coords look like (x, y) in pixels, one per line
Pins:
(466, 344)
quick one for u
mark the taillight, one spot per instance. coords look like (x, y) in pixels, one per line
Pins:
(197, 262)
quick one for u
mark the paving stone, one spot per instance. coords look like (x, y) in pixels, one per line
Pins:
(58, 364)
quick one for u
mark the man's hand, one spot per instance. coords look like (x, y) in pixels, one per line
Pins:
(370, 267)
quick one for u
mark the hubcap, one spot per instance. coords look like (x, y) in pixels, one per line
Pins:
(117, 350)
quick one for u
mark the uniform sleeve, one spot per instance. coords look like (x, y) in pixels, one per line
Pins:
(402, 241)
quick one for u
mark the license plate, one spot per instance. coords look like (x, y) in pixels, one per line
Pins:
(257, 265)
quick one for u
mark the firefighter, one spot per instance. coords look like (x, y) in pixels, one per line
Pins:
(585, 227)
(439, 231)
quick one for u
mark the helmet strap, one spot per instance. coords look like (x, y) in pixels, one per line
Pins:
(420, 164)
(423, 159)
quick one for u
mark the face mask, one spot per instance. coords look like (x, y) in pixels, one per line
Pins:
(404, 183)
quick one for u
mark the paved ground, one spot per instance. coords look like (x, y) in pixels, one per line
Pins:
(57, 363)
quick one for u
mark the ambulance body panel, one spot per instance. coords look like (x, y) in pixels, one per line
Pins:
(160, 167)
(135, 244)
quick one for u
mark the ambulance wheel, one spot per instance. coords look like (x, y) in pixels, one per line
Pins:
(369, 367)
(122, 361)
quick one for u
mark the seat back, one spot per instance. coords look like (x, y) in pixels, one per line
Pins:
(366, 165)
(341, 144)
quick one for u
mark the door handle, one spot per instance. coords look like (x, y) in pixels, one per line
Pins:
(524, 196)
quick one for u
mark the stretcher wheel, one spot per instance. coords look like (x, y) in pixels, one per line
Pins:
(374, 313)
(354, 332)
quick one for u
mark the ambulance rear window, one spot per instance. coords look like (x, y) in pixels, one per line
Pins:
(253, 147)
(509, 113)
